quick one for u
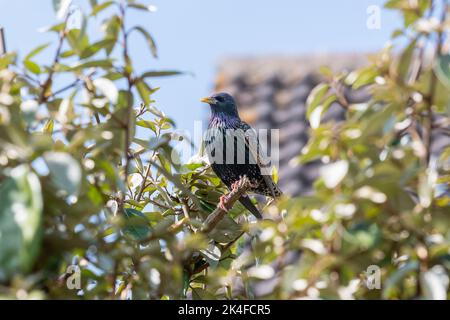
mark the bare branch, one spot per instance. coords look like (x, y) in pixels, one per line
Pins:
(2, 42)
(428, 120)
(239, 188)
(46, 85)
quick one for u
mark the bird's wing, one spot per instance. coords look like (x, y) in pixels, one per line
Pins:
(256, 155)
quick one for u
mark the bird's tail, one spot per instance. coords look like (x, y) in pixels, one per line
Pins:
(247, 203)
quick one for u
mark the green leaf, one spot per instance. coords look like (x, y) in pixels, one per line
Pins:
(315, 97)
(48, 127)
(394, 4)
(125, 99)
(144, 91)
(78, 40)
(137, 224)
(155, 111)
(100, 7)
(93, 3)
(67, 54)
(362, 77)
(146, 124)
(212, 254)
(151, 43)
(104, 64)
(53, 28)
(390, 285)
(82, 36)
(227, 230)
(7, 59)
(139, 6)
(112, 29)
(61, 7)
(20, 221)
(96, 47)
(151, 74)
(65, 172)
(32, 66)
(363, 236)
(143, 143)
(405, 60)
(36, 50)
(317, 113)
(397, 33)
(442, 69)
(157, 142)
(202, 294)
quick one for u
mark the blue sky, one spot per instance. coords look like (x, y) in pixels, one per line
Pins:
(194, 35)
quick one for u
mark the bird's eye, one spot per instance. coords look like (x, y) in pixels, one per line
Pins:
(220, 99)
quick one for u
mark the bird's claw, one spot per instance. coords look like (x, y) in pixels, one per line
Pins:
(243, 180)
(222, 203)
(253, 184)
(235, 185)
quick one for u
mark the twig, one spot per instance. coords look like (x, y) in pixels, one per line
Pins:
(158, 204)
(67, 87)
(214, 218)
(147, 173)
(239, 188)
(419, 61)
(43, 96)
(2, 42)
(130, 82)
(339, 94)
(185, 209)
(173, 229)
(428, 120)
(114, 280)
(142, 187)
(82, 79)
(177, 183)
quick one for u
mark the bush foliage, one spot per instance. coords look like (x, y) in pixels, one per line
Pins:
(79, 191)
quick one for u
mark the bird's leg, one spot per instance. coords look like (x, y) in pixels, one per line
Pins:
(222, 202)
(252, 184)
(235, 185)
(223, 199)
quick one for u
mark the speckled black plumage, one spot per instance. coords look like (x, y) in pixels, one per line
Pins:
(225, 119)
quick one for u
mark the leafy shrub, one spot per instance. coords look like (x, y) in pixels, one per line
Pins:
(79, 190)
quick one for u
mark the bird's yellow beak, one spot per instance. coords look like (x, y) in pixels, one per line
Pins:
(209, 100)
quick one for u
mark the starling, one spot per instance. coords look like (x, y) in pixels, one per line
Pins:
(233, 150)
